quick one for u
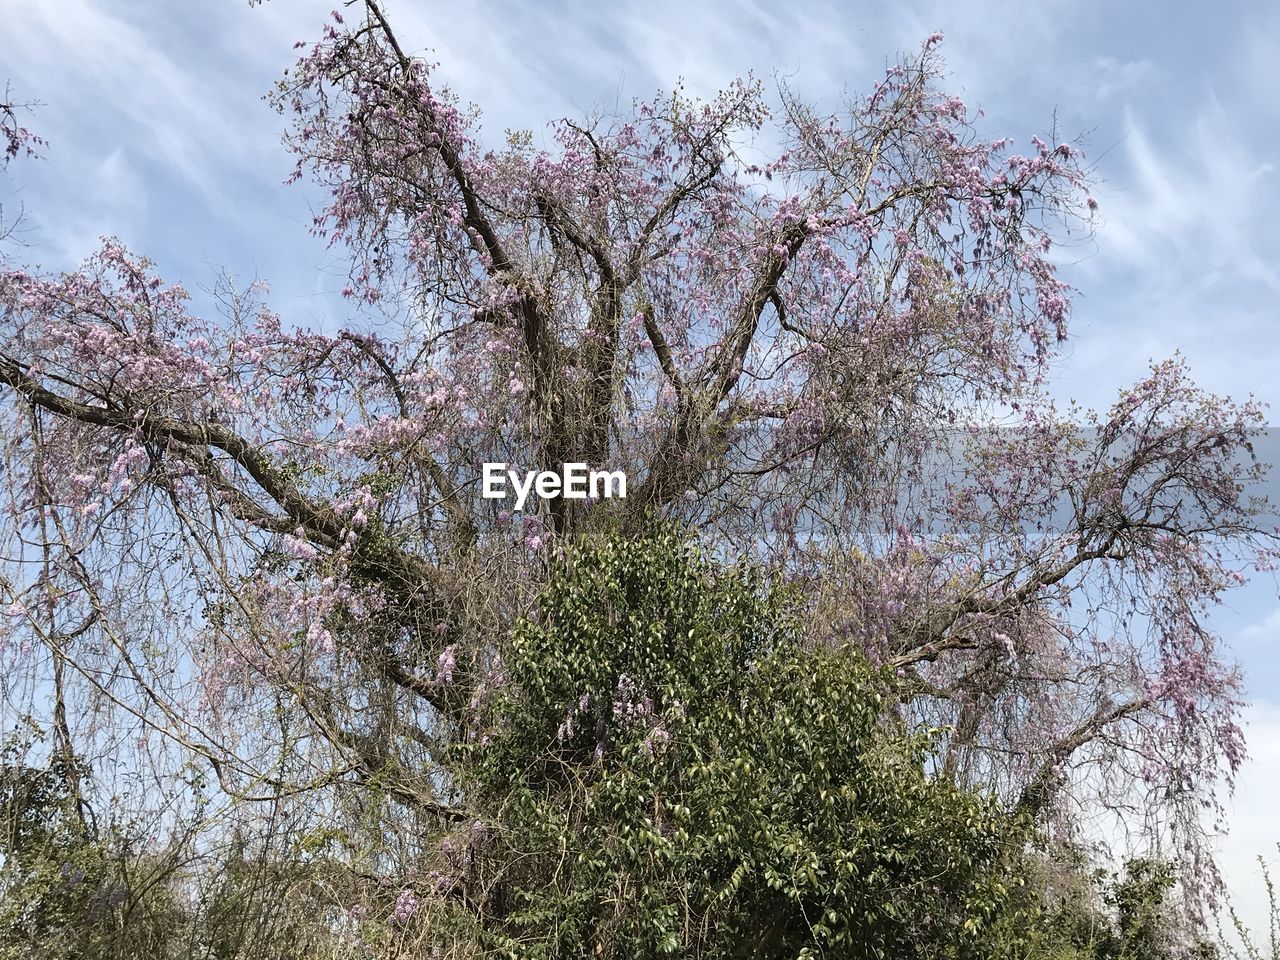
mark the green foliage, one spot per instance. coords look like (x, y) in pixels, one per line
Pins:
(1071, 913)
(1137, 898)
(72, 891)
(61, 893)
(670, 772)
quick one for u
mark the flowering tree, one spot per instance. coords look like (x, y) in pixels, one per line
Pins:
(820, 337)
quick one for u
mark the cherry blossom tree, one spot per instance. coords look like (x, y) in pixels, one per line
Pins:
(820, 336)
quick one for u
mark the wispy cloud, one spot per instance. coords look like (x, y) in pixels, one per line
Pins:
(1113, 77)
(1193, 198)
(173, 114)
(1268, 629)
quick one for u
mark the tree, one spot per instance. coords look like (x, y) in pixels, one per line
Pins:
(797, 330)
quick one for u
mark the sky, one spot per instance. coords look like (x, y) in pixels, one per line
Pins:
(158, 134)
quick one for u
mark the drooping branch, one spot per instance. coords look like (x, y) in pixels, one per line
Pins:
(1039, 788)
(316, 519)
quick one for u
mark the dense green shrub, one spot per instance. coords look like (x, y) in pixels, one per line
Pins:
(1084, 914)
(671, 772)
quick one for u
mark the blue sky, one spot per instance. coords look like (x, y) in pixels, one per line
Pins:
(158, 134)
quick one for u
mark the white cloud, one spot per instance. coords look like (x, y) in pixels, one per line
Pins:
(1185, 255)
(1112, 76)
(1268, 629)
(173, 111)
(1190, 200)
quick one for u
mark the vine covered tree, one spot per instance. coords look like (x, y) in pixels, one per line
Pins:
(257, 551)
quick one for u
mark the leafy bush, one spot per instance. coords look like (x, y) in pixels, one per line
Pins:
(1102, 915)
(63, 892)
(671, 772)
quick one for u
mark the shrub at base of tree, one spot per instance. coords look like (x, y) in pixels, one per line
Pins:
(669, 771)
